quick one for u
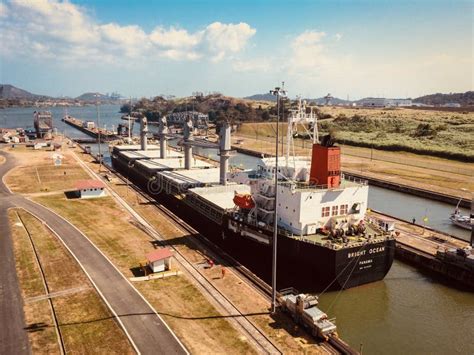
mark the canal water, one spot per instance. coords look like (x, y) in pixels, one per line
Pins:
(409, 312)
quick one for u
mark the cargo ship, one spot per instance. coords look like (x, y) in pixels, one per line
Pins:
(323, 233)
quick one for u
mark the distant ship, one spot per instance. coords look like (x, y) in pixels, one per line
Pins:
(323, 233)
(43, 122)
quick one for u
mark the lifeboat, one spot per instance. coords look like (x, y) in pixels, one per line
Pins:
(244, 201)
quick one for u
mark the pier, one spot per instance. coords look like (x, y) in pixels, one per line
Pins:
(93, 131)
(425, 248)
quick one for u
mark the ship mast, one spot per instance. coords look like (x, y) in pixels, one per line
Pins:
(278, 92)
(299, 116)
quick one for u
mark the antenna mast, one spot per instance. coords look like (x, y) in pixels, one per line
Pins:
(299, 116)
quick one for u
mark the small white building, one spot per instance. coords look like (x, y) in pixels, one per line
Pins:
(383, 102)
(90, 188)
(398, 102)
(89, 124)
(39, 144)
(451, 104)
(5, 138)
(373, 102)
(387, 224)
(159, 260)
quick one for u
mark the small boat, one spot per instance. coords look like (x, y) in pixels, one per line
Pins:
(244, 201)
(459, 219)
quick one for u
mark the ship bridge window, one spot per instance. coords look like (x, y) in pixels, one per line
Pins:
(325, 212)
(335, 209)
(343, 209)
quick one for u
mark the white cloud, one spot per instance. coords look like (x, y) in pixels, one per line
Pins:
(306, 56)
(65, 31)
(53, 19)
(309, 37)
(308, 52)
(176, 54)
(338, 36)
(223, 39)
(174, 38)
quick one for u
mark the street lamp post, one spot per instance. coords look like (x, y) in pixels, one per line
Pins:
(278, 92)
(98, 130)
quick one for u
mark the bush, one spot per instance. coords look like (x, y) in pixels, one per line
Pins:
(425, 130)
(126, 108)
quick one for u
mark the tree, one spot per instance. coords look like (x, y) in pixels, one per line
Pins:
(126, 108)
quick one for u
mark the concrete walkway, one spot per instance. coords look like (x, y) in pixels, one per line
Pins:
(145, 329)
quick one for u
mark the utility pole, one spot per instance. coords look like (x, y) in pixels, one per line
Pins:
(278, 92)
(98, 131)
(282, 110)
(129, 118)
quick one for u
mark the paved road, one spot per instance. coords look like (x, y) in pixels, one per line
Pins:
(144, 327)
(13, 336)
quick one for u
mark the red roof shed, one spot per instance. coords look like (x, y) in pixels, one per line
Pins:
(159, 254)
(89, 184)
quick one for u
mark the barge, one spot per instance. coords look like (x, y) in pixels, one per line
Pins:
(89, 128)
(323, 235)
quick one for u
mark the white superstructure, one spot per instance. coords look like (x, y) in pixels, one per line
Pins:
(307, 203)
(304, 208)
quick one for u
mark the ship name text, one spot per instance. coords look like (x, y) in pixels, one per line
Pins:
(364, 252)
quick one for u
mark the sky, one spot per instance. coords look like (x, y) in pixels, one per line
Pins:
(351, 49)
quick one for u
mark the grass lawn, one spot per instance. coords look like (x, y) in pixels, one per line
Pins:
(40, 175)
(31, 285)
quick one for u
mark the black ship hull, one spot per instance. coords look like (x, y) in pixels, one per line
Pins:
(306, 266)
(324, 267)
